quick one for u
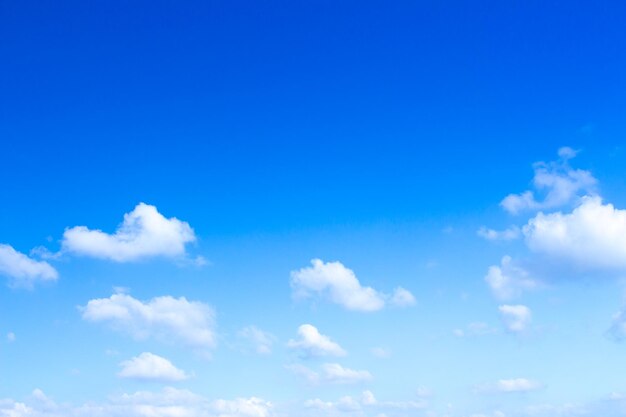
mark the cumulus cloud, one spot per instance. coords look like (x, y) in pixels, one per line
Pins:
(340, 285)
(312, 343)
(261, 340)
(508, 280)
(557, 180)
(169, 402)
(150, 367)
(331, 373)
(144, 233)
(22, 270)
(593, 235)
(365, 405)
(164, 318)
(516, 318)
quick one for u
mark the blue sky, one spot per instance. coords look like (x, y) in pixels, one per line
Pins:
(324, 208)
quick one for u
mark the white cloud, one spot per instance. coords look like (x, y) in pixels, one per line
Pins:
(380, 352)
(164, 318)
(144, 233)
(169, 402)
(150, 367)
(516, 318)
(10, 337)
(402, 298)
(24, 271)
(314, 344)
(618, 328)
(331, 373)
(511, 233)
(365, 405)
(516, 385)
(593, 235)
(475, 329)
(261, 340)
(337, 374)
(339, 284)
(560, 183)
(507, 281)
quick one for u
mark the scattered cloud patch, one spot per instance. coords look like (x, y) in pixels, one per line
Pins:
(340, 285)
(380, 352)
(508, 280)
(166, 318)
(475, 329)
(312, 343)
(144, 233)
(261, 340)
(516, 318)
(331, 373)
(557, 180)
(23, 270)
(512, 233)
(11, 337)
(150, 367)
(402, 298)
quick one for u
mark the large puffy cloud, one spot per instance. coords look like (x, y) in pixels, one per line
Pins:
(169, 402)
(150, 367)
(24, 271)
(341, 286)
(164, 318)
(593, 235)
(313, 344)
(516, 318)
(144, 233)
(508, 280)
(560, 183)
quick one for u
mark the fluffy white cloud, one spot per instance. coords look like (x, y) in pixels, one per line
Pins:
(261, 340)
(331, 373)
(339, 284)
(366, 405)
(164, 318)
(313, 344)
(169, 402)
(593, 235)
(144, 233)
(507, 281)
(150, 367)
(516, 385)
(402, 298)
(24, 271)
(560, 183)
(516, 318)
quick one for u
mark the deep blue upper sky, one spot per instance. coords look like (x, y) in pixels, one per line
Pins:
(282, 114)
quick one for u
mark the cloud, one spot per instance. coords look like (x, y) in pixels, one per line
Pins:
(166, 318)
(475, 329)
(365, 405)
(24, 271)
(314, 344)
(516, 318)
(340, 285)
(512, 233)
(560, 184)
(144, 233)
(617, 331)
(508, 281)
(331, 373)
(169, 402)
(337, 374)
(150, 367)
(380, 352)
(402, 298)
(261, 340)
(505, 386)
(592, 236)
(10, 337)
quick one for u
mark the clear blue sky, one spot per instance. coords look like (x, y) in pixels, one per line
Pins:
(393, 141)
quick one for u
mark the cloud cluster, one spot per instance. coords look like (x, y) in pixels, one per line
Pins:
(150, 367)
(164, 318)
(516, 318)
(508, 280)
(363, 405)
(24, 271)
(314, 344)
(169, 402)
(560, 183)
(144, 233)
(340, 285)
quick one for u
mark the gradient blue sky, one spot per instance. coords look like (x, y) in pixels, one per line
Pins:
(379, 137)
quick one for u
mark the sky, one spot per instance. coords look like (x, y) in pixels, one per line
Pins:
(312, 208)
